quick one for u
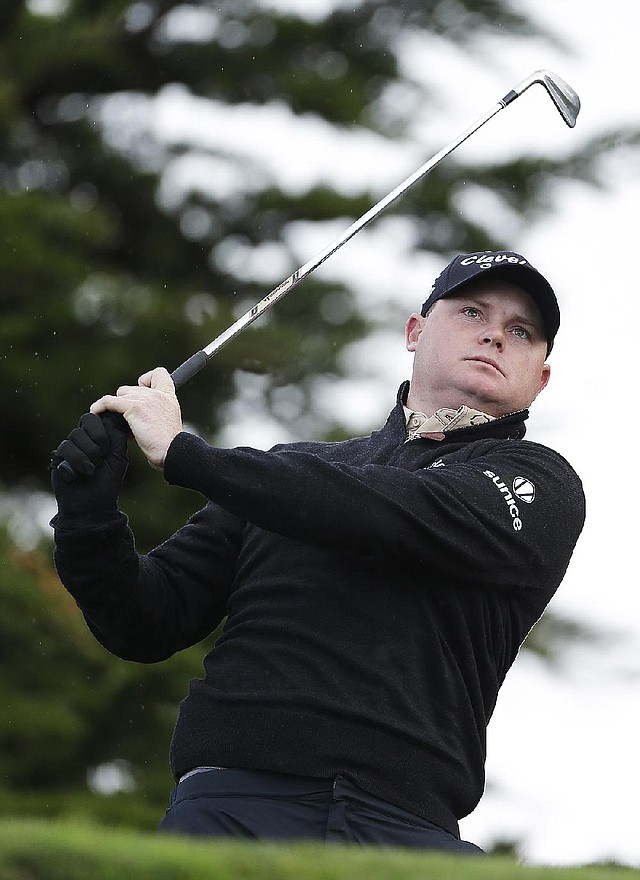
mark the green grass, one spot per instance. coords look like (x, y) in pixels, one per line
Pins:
(36, 850)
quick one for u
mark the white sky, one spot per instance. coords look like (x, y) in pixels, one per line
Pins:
(563, 747)
(563, 766)
(563, 761)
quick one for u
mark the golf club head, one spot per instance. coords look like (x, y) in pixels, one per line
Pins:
(560, 92)
(562, 95)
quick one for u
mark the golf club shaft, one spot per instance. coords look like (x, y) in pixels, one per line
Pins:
(567, 103)
(196, 362)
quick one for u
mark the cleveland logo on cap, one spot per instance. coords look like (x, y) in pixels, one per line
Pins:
(487, 260)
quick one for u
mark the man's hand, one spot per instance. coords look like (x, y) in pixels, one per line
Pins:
(152, 410)
(97, 452)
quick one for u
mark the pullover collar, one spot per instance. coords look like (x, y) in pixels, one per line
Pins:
(509, 427)
(443, 421)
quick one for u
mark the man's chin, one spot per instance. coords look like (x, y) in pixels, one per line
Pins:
(482, 397)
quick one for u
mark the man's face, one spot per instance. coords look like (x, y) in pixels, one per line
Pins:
(484, 347)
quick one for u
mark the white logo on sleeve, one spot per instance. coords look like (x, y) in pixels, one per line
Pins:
(523, 490)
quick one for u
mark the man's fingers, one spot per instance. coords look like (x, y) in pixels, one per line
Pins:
(96, 432)
(158, 378)
(90, 443)
(86, 446)
(109, 403)
(76, 458)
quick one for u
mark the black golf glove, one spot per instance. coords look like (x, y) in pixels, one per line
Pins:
(96, 451)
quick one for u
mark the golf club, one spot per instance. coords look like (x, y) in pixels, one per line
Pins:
(567, 103)
(563, 96)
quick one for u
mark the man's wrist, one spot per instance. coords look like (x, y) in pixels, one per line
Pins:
(171, 449)
(90, 519)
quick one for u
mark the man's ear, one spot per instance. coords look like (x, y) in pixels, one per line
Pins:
(544, 378)
(412, 331)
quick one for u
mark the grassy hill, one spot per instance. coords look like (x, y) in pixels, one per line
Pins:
(33, 850)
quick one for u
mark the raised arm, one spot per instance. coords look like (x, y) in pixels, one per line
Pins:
(140, 607)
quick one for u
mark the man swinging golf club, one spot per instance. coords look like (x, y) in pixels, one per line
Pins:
(376, 591)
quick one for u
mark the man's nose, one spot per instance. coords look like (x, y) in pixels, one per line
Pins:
(493, 336)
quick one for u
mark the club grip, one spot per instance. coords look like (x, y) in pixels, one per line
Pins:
(188, 369)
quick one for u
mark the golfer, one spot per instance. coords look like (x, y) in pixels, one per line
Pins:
(375, 591)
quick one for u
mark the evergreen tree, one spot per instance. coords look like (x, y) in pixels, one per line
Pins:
(123, 249)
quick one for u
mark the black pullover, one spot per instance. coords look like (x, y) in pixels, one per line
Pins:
(376, 593)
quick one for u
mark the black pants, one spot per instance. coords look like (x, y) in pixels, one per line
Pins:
(258, 805)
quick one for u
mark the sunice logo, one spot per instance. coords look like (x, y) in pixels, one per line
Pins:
(523, 490)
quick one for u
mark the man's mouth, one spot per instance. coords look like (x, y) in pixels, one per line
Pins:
(488, 361)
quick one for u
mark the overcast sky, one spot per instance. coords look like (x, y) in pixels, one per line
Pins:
(564, 747)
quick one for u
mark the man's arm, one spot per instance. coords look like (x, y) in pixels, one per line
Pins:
(139, 607)
(456, 518)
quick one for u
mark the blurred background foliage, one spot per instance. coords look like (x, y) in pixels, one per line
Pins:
(113, 259)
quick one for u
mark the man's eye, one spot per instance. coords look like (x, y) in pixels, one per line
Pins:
(521, 333)
(471, 311)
